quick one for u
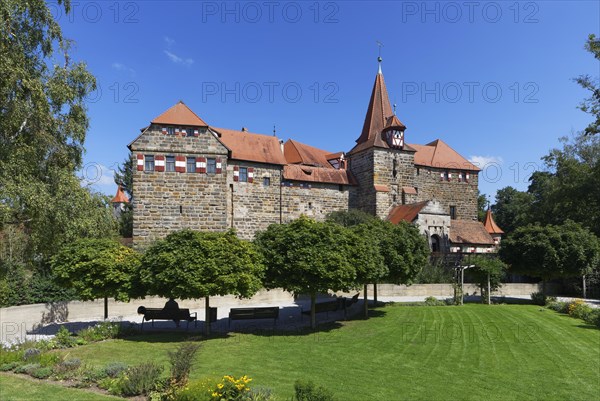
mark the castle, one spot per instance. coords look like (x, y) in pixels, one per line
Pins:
(192, 175)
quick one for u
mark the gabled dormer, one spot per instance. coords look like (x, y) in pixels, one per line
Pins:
(180, 120)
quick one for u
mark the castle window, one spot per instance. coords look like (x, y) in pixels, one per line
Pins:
(211, 166)
(170, 164)
(395, 168)
(189, 131)
(170, 130)
(446, 176)
(191, 164)
(243, 174)
(266, 181)
(453, 212)
(149, 165)
(418, 171)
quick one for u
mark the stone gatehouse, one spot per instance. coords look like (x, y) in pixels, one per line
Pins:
(193, 175)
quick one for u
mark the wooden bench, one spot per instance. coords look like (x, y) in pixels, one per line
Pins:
(270, 312)
(152, 314)
(333, 305)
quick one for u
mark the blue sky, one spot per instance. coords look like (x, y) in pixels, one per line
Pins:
(492, 79)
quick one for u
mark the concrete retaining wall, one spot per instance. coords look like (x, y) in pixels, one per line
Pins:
(16, 321)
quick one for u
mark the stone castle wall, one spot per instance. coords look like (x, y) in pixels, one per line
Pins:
(164, 202)
(462, 195)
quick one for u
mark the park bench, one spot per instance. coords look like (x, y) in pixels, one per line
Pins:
(333, 305)
(271, 312)
(152, 314)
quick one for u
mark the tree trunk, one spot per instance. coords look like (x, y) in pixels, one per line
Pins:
(313, 310)
(207, 317)
(366, 305)
(105, 308)
(489, 291)
(584, 287)
(544, 287)
(375, 295)
(462, 285)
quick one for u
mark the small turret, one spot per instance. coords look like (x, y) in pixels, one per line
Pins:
(119, 202)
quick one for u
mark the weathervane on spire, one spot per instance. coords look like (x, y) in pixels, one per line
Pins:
(274, 130)
(379, 59)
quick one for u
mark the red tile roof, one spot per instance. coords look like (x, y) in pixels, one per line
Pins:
(381, 188)
(406, 212)
(120, 197)
(297, 172)
(439, 155)
(469, 232)
(379, 116)
(247, 146)
(409, 190)
(490, 225)
(300, 153)
(180, 114)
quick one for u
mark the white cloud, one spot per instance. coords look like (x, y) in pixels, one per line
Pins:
(122, 67)
(98, 176)
(483, 161)
(179, 60)
(170, 42)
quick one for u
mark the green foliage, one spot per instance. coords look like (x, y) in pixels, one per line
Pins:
(6, 367)
(307, 391)
(189, 265)
(124, 178)
(539, 298)
(551, 251)
(104, 331)
(139, 380)
(434, 273)
(64, 339)
(512, 209)
(306, 256)
(181, 362)
(114, 369)
(42, 372)
(562, 307)
(97, 268)
(433, 301)
(591, 105)
(485, 267)
(482, 204)
(196, 390)
(350, 218)
(405, 252)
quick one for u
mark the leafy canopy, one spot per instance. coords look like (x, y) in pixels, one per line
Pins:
(97, 268)
(189, 264)
(306, 256)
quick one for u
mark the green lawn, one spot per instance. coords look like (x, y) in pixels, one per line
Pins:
(474, 352)
(13, 388)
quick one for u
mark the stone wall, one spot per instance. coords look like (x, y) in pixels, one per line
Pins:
(164, 202)
(363, 196)
(393, 169)
(462, 195)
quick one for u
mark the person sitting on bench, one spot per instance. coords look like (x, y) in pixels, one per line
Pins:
(172, 305)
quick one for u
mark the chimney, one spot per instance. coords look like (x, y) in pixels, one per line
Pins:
(244, 129)
(282, 147)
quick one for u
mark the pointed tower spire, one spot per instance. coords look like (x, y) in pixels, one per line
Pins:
(380, 116)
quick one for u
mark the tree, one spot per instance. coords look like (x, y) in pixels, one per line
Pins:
(124, 178)
(308, 257)
(482, 204)
(487, 273)
(350, 218)
(97, 268)
(367, 258)
(189, 265)
(405, 252)
(43, 122)
(591, 105)
(512, 209)
(551, 251)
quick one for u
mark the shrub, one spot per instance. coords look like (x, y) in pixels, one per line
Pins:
(31, 354)
(114, 369)
(196, 390)
(104, 331)
(538, 298)
(579, 309)
(307, 391)
(42, 372)
(66, 368)
(64, 339)
(260, 394)
(140, 379)
(562, 307)
(593, 317)
(10, 355)
(181, 362)
(6, 367)
(27, 368)
(231, 389)
(450, 301)
(433, 301)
